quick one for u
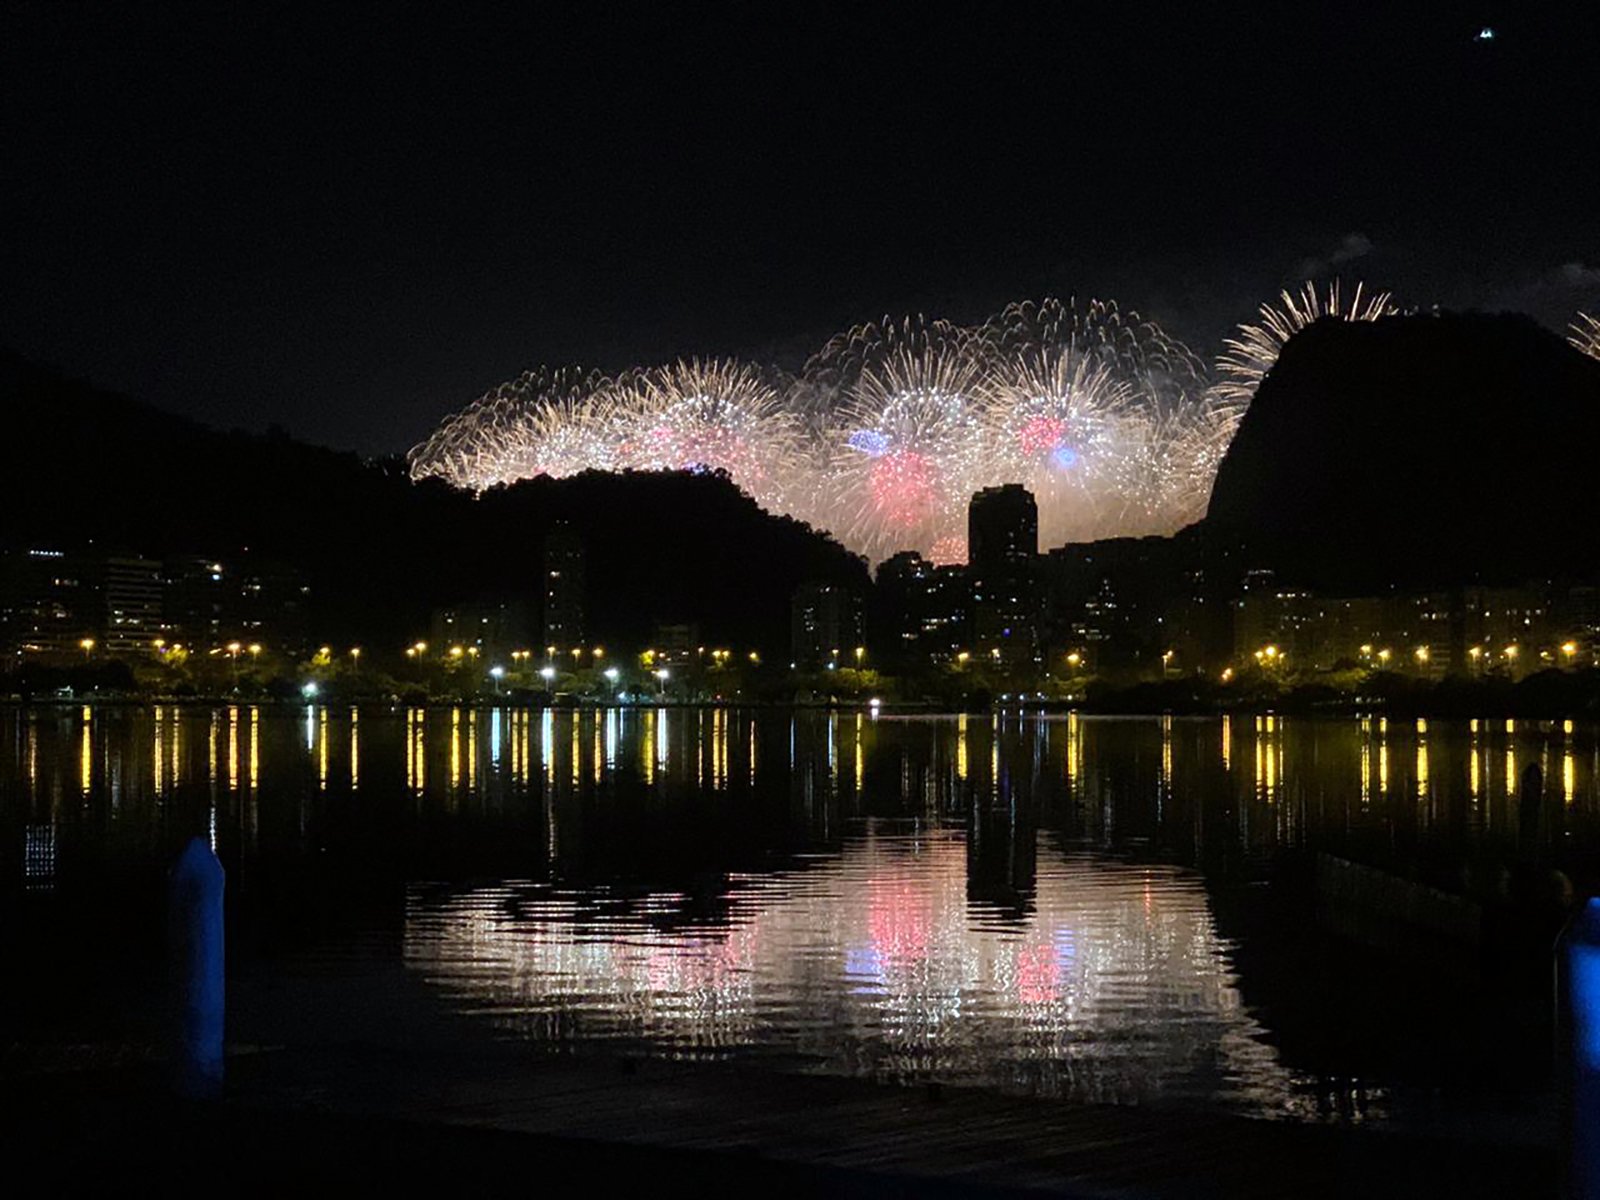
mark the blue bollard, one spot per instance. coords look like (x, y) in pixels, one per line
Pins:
(1583, 1012)
(194, 930)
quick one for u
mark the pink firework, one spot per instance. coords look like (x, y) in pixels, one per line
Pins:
(951, 549)
(1042, 434)
(904, 488)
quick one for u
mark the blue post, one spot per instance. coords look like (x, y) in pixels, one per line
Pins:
(194, 930)
(1583, 1008)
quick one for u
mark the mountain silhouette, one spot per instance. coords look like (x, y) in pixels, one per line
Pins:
(1417, 451)
(85, 466)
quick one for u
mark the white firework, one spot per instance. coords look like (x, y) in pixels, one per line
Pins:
(1585, 334)
(534, 425)
(1252, 351)
(713, 415)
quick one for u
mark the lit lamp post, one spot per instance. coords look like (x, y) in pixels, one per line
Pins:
(355, 659)
(87, 646)
(662, 675)
(612, 675)
(496, 673)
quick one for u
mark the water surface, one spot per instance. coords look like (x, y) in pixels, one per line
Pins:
(1049, 904)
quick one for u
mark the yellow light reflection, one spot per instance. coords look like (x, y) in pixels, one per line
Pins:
(322, 750)
(1074, 747)
(1227, 743)
(86, 755)
(255, 747)
(158, 754)
(422, 750)
(455, 748)
(355, 750)
(411, 748)
(176, 762)
(1366, 767)
(961, 746)
(233, 748)
(1166, 752)
(647, 748)
(860, 756)
(472, 750)
(577, 753)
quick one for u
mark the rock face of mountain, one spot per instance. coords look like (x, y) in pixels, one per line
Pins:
(1418, 451)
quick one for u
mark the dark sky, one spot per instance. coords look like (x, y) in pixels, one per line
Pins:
(350, 222)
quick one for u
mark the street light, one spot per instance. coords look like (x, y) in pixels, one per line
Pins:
(662, 675)
(547, 673)
(496, 673)
(87, 645)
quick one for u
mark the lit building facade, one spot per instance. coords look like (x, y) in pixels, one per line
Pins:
(826, 626)
(563, 579)
(1003, 552)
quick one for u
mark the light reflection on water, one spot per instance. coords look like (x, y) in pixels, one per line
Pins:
(1008, 900)
(1114, 987)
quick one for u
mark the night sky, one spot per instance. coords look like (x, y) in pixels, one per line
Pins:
(349, 224)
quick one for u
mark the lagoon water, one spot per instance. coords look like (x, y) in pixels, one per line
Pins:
(1074, 907)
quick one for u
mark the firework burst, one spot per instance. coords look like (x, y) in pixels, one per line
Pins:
(711, 415)
(538, 424)
(890, 427)
(902, 448)
(1585, 334)
(1251, 353)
